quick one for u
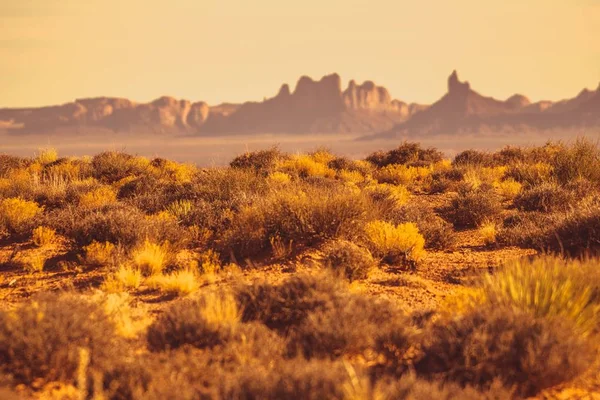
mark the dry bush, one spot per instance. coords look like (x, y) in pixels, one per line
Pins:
(529, 230)
(473, 158)
(400, 245)
(347, 259)
(488, 232)
(410, 387)
(446, 180)
(307, 166)
(438, 233)
(471, 208)
(123, 279)
(117, 224)
(530, 174)
(302, 217)
(407, 153)
(310, 380)
(492, 343)
(388, 197)
(580, 160)
(578, 233)
(264, 161)
(180, 283)
(17, 216)
(206, 322)
(151, 258)
(153, 194)
(9, 163)
(43, 236)
(112, 166)
(545, 197)
(97, 198)
(41, 340)
(350, 327)
(288, 304)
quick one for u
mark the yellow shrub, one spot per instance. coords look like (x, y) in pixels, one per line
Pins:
(488, 232)
(208, 262)
(398, 195)
(43, 236)
(151, 258)
(351, 176)
(47, 156)
(322, 156)
(179, 282)
(67, 171)
(179, 172)
(401, 243)
(99, 254)
(99, 197)
(509, 188)
(180, 209)
(402, 174)
(306, 166)
(220, 308)
(444, 165)
(34, 262)
(279, 177)
(130, 322)
(16, 214)
(123, 279)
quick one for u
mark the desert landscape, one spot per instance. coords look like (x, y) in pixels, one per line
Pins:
(402, 275)
(316, 200)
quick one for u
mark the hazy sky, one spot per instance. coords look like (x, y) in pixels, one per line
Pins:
(53, 51)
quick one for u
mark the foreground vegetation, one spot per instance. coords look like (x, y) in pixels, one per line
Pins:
(255, 281)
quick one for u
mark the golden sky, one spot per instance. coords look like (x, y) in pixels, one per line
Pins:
(53, 51)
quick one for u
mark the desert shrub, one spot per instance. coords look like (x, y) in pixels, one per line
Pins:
(438, 233)
(310, 380)
(117, 224)
(580, 160)
(402, 175)
(112, 166)
(203, 323)
(530, 174)
(396, 244)
(41, 340)
(348, 328)
(488, 232)
(473, 158)
(347, 259)
(578, 233)
(97, 198)
(550, 287)
(545, 197)
(180, 283)
(98, 254)
(492, 343)
(152, 194)
(510, 155)
(9, 163)
(261, 161)
(407, 153)
(445, 180)
(387, 196)
(46, 156)
(288, 304)
(471, 208)
(280, 178)
(410, 387)
(302, 217)
(530, 230)
(151, 258)
(43, 236)
(17, 216)
(508, 188)
(307, 166)
(124, 278)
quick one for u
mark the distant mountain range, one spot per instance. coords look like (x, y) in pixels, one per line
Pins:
(313, 107)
